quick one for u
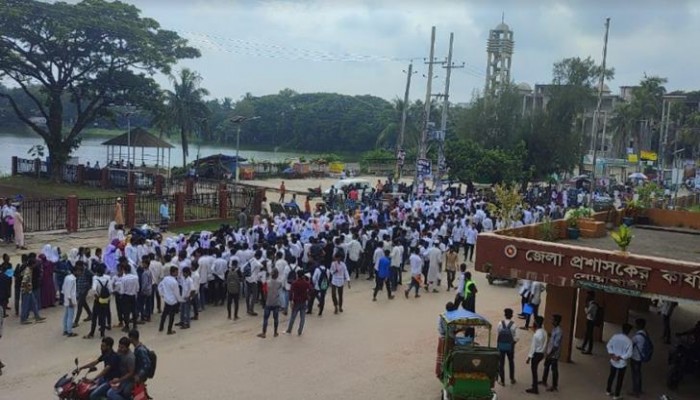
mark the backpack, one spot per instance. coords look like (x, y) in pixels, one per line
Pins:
(103, 296)
(247, 270)
(292, 276)
(323, 279)
(505, 339)
(647, 350)
(152, 362)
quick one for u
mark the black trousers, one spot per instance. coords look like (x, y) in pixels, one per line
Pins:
(636, 376)
(450, 279)
(552, 363)
(99, 315)
(320, 296)
(129, 314)
(251, 296)
(534, 365)
(620, 374)
(587, 344)
(337, 296)
(379, 284)
(169, 312)
(218, 291)
(469, 251)
(82, 304)
(511, 365)
(232, 297)
(667, 329)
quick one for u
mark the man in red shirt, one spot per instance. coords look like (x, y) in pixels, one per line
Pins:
(299, 293)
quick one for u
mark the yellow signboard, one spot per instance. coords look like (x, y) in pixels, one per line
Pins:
(632, 158)
(648, 155)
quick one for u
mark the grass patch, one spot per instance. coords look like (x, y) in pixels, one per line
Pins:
(694, 209)
(202, 226)
(32, 188)
(101, 133)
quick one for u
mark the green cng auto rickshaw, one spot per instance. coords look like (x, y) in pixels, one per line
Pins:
(467, 365)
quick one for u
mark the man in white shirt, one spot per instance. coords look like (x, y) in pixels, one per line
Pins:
(620, 350)
(70, 300)
(396, 259)
(170, 293)
(416, 263)
(129, 291)
(251, 273)
(354, 253)
(536, 290)
(537, 350)
(470, 238)
(156, 268)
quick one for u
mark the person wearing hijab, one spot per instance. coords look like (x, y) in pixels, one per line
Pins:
(111, 257)
(19, 228)
(48, 288)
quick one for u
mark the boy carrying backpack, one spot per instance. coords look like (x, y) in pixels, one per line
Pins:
(642, 352)
(506, 344)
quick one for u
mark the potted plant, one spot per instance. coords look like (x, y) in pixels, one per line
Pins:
(622, 237)
(646, 196)
(632, 211)
(572, 218)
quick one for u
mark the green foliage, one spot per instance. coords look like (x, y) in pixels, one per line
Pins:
(547, 230)
(36, 151)
(313, 122)
(648, 193)
(508, 200)
(93, 54)
(468, 161)
(573, 216)
(327, 158)
(184, 109)
(622, 237)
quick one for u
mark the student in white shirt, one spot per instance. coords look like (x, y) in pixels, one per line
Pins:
(339, 276)
(620, 350)
(70, 300)
(537, 350)
(129, 291)
(186, 300)
(251, 273)
(170, 293)
(416, 263)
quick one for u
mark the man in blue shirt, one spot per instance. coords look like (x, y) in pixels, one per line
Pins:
(383, 268)
(164, 215)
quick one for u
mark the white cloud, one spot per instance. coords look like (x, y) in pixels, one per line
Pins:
(352, 46)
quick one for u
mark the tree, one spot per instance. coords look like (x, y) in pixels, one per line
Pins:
(90, 54)
(185, 108)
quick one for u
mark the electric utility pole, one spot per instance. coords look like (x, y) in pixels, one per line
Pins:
(443, 124)
(400, 154)
(596, 114)
(423, 148)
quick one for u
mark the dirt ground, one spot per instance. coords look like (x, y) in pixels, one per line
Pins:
(374, 350)
(382, 350)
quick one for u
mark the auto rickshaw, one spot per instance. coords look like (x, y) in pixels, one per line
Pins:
(467, 364)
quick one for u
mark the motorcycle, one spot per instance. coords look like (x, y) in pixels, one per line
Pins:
(681, 360)
(72, 387)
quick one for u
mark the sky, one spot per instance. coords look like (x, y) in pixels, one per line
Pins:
(359, 47)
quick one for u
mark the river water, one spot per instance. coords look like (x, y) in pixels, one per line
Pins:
(91, 149)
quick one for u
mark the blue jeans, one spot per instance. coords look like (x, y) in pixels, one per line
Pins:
(185, 315)
(298, 308)
(68, 319)
(145, 306)
(275, 310)
(284, 297)
(123, 392)
(29, 304)
(100, 390)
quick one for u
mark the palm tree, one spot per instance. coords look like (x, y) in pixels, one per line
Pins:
(623, 123)
(185, 110)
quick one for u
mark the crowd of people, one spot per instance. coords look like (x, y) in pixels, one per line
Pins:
(282, 265)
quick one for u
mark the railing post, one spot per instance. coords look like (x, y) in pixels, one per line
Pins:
(189, 187)
(130, 217)
(104, 182)
(179, 208)
(37, 167)
(14, 165)
(80, 174)
(72, 213)
(131, 182)
(159, 185)
(223, 203)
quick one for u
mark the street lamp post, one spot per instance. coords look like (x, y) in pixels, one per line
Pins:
(239, 119)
